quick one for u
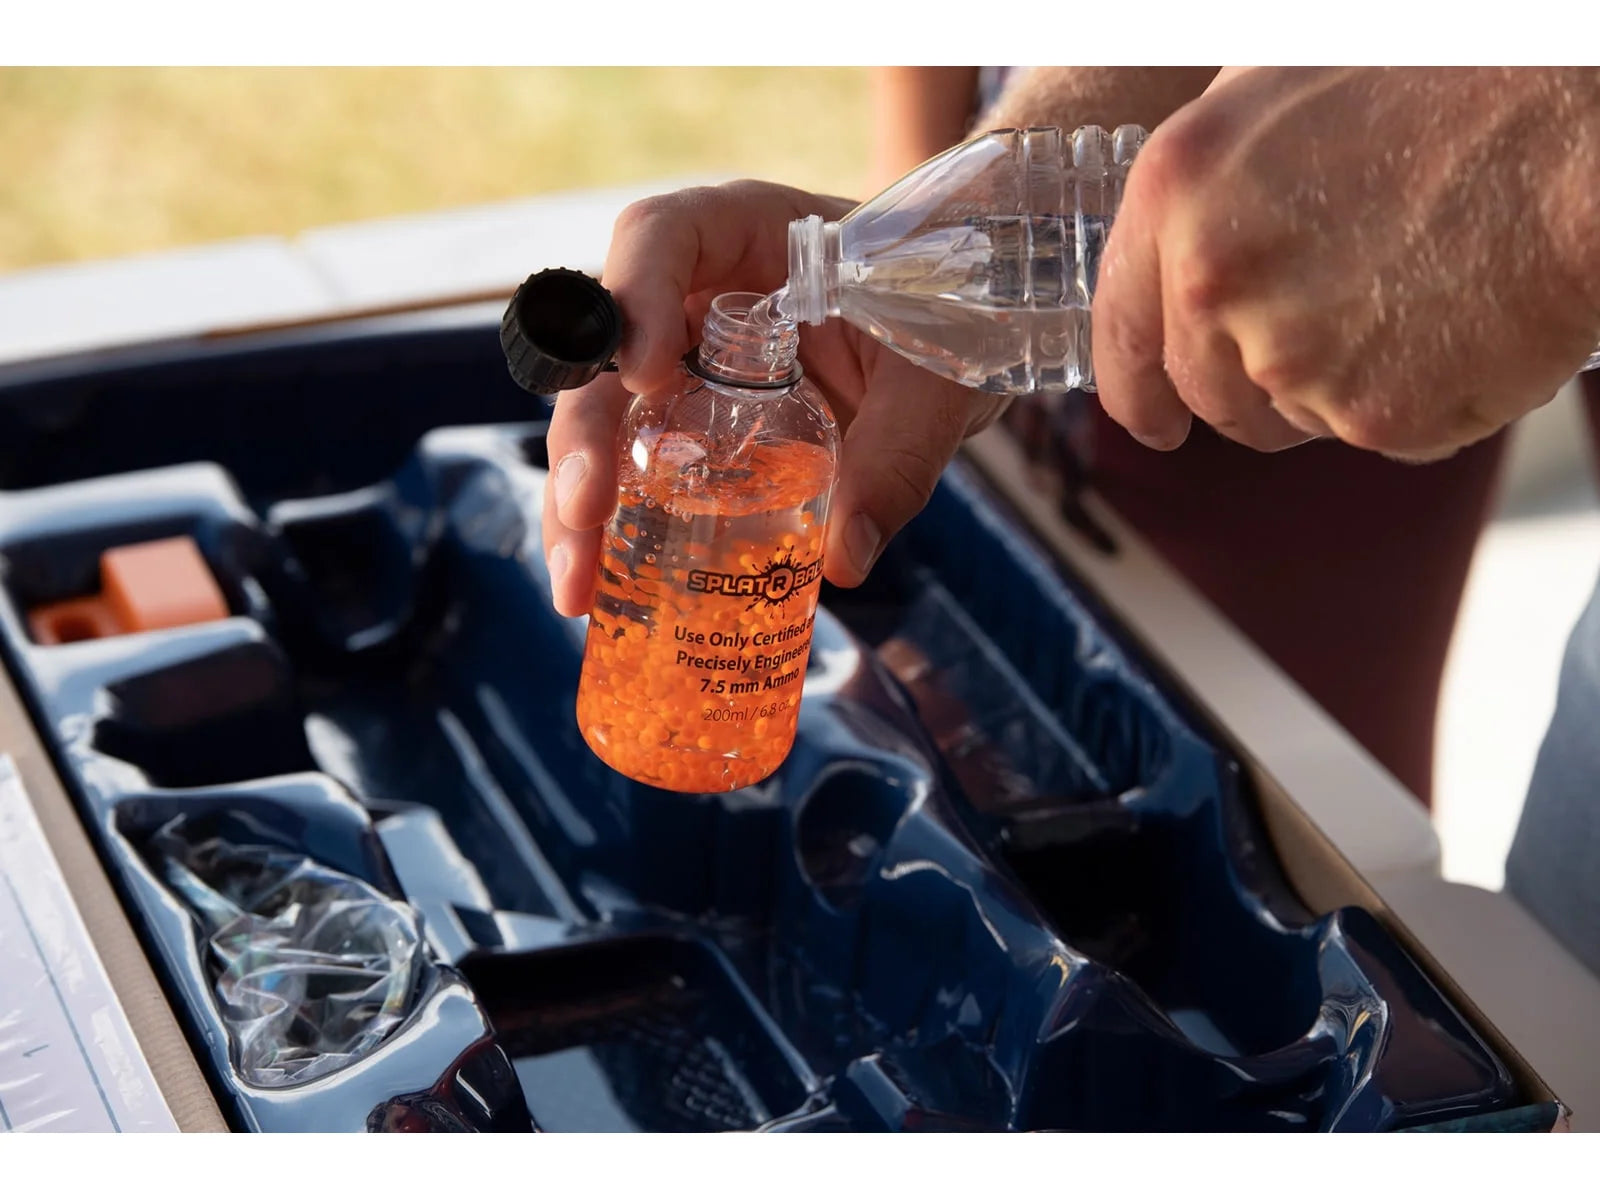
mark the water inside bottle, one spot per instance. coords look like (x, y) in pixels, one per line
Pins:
(996, 303)
(770, 312)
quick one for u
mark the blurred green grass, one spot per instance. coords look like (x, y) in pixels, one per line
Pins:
(96, 162)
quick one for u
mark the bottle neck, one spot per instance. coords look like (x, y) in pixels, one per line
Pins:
(814, 258)
(743, 341)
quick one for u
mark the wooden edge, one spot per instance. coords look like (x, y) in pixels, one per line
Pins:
(183, 1085)
(1324, 877)
(369, 312)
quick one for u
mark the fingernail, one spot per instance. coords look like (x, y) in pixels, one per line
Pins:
(569, 474)
(862, 538)
(1305, 420)
(1155, 441)
(558, 561)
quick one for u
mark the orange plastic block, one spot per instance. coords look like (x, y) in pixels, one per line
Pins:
(77, 620)
(153, 585)
(160, 585)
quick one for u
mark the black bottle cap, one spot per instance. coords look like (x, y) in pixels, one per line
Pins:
(559, 331)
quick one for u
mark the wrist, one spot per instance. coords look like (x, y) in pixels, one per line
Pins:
(1107, 96)
(920, 111)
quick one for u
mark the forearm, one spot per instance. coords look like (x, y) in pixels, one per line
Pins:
(918, 112)
(1107, 96)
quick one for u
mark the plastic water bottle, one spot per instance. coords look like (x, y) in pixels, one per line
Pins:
(979, 265)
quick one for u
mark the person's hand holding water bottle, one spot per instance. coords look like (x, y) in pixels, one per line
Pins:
(669, 257)
(1406, 260)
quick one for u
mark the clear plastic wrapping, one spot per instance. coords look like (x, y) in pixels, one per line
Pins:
(312, 968)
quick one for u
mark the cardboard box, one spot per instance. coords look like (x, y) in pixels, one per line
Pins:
(1347, 833)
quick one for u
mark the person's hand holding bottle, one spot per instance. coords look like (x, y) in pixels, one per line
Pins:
(1404, 259)
(669, 257)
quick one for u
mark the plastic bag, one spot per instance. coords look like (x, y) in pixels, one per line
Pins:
(313, 968)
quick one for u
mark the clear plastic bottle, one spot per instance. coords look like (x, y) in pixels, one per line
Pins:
(979, 265)
(710, 568)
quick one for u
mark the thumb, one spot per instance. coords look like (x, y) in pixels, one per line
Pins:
(908, 427)
(1226, 76)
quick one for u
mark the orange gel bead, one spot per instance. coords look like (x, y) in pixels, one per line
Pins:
(701, 629)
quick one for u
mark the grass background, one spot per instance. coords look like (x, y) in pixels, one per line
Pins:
(97, 162)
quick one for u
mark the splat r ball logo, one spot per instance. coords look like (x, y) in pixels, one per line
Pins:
(771, 586)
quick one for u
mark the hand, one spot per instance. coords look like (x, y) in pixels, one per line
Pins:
(669, 258)
(1406, 260)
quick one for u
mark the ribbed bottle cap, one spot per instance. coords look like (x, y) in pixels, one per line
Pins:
(559, 331)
